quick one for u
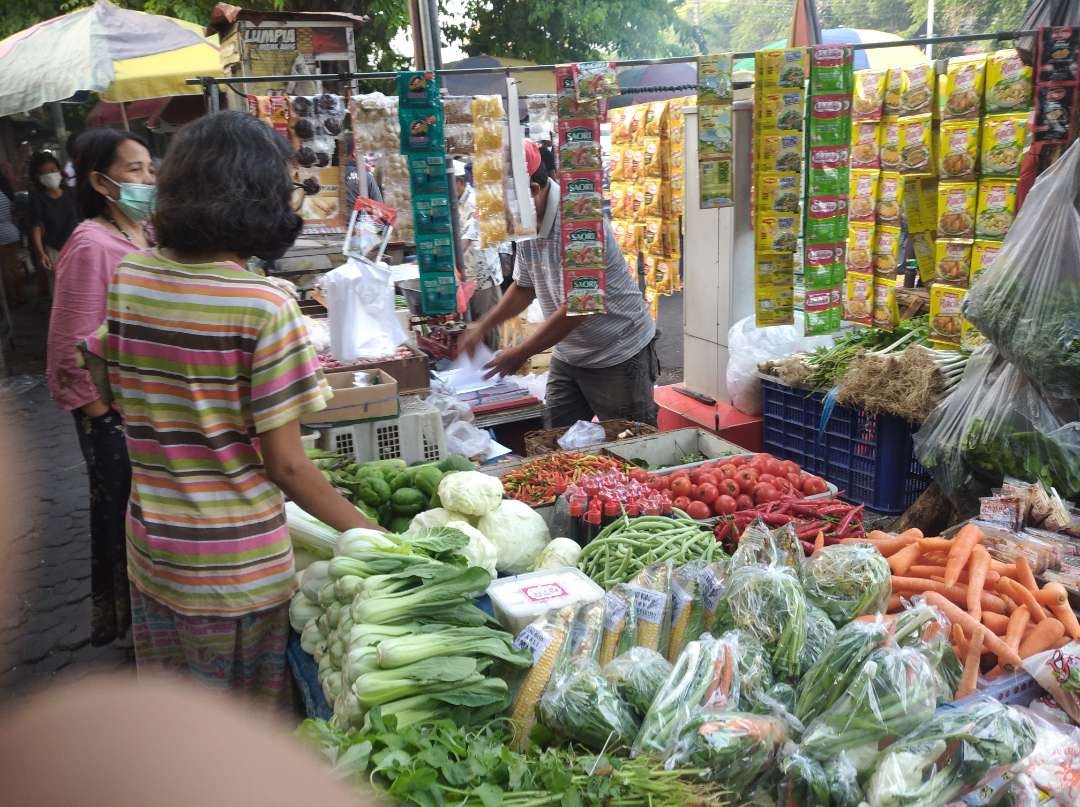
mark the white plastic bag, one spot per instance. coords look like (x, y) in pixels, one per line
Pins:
(748, 346)
(582, 434)
(467, 440)
(360, 306)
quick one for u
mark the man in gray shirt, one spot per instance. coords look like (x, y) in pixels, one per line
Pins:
(603, 364)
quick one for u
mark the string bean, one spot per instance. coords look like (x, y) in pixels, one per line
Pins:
(628, 545)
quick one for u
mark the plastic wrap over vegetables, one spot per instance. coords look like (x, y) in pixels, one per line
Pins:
(833, 783)
(819, 633)
(704, 675)
(891, 694)
(734, 748)
(755, 672)
(582, 706)
(830, 677)
(1028, 301)
(768, 603)
(637, 676)
(847, 580)
(758, 546)
(994, 424)
(949, 754)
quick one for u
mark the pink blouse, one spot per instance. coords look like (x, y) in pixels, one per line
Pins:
(83, 272)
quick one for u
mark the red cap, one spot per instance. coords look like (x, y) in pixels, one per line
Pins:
(532, 157)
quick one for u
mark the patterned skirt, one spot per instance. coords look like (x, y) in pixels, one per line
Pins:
(243, 654)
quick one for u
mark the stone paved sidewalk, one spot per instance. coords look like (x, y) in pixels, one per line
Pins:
(45, 628)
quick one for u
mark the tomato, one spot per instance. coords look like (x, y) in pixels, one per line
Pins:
(681, 485)
(774, 467)
(728, 470)
(744, 502)
(765, 493)
(813, 485)
(747, 478)
(738, 461)
(759, 462)
(698, 510)
(707, 492)
(729, 487)
(639, 475)
(795, 480)
(768, 479)
(658, 483)
(681, 503)
(695, 475)
(683, 473)
(724, 505)
(790, 467)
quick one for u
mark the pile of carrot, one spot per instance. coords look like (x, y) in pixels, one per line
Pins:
(998, 613)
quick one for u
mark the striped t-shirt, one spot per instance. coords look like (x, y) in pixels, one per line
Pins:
(202, 358)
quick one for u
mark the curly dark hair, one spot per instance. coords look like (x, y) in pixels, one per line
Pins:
(37, 160)
(224, 186)
(95, 153)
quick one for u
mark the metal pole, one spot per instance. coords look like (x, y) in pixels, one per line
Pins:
(929, 28)
(417, 35)
(434, 35)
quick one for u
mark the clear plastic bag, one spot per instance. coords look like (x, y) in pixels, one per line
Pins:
(806, 781)
(819, 632)
(1028, 302)
(582, 706)
(637, 676)
(467, 440)
(733, 748)
(1054, 766)
(847, 580)
(949, 753)
(582, 434)
(995, 424)
(891, 694)
(769, 604)
(1058, 672)
(360, 302)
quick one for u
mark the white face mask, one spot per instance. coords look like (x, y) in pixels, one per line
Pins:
(51, 180)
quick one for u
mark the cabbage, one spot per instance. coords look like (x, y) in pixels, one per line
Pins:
(518, 532)
(437, 517)
(479, 551)
(471, 493)
(559, 552)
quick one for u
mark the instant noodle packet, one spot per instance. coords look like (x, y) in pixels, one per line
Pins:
(996, 208)
(952, 261)
(964, 78)
(959, 149)
(860, 246)
(778, 193)
(890, 202)
(865, 145)
(1008, 82)
(983, 254)
(859, 298)
(782, 110)
(893, 92)
(917, 89)
(784, 68)
(946, 303)
(956, 206)
(863, 194)
(890, 144)
(1005, 140)
(774, 305)
(916, 143)
(777, 233)
(886, 251)
(774, 268)
(922, 244)
(781, 152)
(886, 314)
(869, 95)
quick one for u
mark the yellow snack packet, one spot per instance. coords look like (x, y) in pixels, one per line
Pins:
(859, 298)
(893, 93)
(1008, 82)
(928, 189)
(651, 158)
(890, 202)
(959, 148)
(773, 305)
(778, 193)
(964, 79)
(869, 96)
(886, 251)
(860, 246)
(886, 314)
(916, 139)
(773, 269)
(863, 194)
(1005, 140)
(777, 233)
(890, 144)
(917, 89)
(945, 314)
(952, 261)
(780, 152)
(956, 206)
(996, 208)
(865, 145)
(913, 209)
(922, 244)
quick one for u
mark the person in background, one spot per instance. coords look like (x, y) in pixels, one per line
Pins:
(115, 191)
(353, 175)
(54, 214)
(211, 369)
(11, 270)
(604, 364)
(69, 166)
(481, 265)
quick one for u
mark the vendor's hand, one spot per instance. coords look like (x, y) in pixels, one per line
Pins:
(470, 339)
(505, 362)
(46, 263)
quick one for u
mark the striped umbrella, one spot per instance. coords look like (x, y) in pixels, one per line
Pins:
(879, 58)
(125, 55)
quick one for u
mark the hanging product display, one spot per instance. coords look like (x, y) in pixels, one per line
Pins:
(489, 173)
(583, 90)
(828, 185)
(779, 110)
(715, 166)
(1057, 81)
(377, 142)
(423, 143)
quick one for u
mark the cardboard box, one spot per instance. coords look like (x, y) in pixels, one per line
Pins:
(411, 373)
(350, 403)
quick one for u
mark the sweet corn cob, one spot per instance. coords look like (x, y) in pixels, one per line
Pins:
(652, 582)
(587, 629)
(610, 641)
(523, 711)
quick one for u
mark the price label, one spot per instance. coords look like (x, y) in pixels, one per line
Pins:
(614, 611)
(649, 605)
(711, 589)
(535, 640)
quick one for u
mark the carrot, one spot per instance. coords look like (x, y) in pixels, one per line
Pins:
(1045, 635)
(896, 602)
(958, 594)
(965, 541)
(998, 623)
(959, 641)
(902, 560)
(1052, 594)
(871, 618)
(1064, 614)
(1004, 569)
(920, 570)
(1025, 575)
(970, 677)
(886, 546)
(819, 541)
(1022, 596)
(936, 544)
(1006, 655)
(980, 565)
(1018, 622)
(729, 671)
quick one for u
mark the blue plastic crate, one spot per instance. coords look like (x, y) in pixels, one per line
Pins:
(869, 457)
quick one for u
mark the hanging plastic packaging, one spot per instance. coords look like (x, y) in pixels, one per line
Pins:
(360, 301)
(1028, 302)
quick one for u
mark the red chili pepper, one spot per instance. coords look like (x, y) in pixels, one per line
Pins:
(846, 520)
(808, 547)
(776, 519)
(809, 530)
(723, 529)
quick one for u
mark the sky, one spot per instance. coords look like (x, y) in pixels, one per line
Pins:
(402, 43)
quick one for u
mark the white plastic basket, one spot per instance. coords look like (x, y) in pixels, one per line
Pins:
(415, 435)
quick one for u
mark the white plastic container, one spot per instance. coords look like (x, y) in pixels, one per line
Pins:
(517, 601)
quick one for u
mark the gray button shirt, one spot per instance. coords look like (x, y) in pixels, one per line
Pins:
(602, 340)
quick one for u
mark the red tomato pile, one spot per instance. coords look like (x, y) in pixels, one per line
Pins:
(732, 484)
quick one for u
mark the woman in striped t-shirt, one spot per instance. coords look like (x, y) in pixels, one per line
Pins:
(211, 369)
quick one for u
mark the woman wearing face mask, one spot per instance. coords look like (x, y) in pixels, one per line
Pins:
(115, 185)
(54, 214)
(211, 369)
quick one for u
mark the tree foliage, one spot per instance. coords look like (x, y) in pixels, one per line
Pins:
(553, 31)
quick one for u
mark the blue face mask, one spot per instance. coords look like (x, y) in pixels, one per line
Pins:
(136, 199)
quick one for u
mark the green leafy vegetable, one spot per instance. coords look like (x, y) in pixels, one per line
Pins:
(847, 580)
